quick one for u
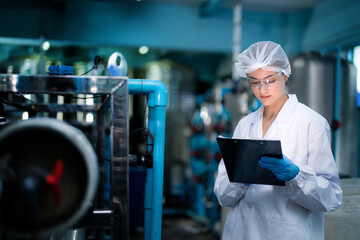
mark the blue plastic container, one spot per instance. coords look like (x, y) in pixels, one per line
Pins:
(61, 70)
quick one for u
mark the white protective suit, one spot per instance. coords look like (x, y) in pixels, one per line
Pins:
(291, 212)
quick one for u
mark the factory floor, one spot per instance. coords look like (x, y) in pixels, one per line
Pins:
(180, 227)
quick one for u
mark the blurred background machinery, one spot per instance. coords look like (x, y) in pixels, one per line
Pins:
(327, 84)
(64, 154)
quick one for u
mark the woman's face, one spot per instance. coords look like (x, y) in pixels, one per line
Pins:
(268, 95)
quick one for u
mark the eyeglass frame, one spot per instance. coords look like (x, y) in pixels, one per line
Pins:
(265, 80)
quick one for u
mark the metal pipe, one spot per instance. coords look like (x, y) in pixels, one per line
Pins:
(337, 96)
(157, 101)
(237, 28)
(337, 93)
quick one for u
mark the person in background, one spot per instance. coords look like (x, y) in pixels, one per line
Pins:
(296, 210)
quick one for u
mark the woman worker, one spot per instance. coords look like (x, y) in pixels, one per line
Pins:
(296, 210)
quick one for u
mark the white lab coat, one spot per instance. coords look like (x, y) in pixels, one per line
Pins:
(291, 212)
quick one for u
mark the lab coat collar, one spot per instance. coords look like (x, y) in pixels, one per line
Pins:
(287, 109)
(284, 113)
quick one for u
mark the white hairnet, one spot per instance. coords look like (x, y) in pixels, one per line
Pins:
(266, 55)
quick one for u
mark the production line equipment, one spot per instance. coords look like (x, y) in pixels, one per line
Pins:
(64, 155)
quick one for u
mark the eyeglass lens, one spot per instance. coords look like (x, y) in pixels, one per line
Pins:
(267, 81)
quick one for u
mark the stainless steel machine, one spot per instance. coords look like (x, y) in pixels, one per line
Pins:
(66, 167)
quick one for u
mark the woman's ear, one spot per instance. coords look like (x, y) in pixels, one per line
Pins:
(285, 77)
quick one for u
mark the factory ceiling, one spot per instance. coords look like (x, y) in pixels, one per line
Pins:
(200, 61)
(259, 5)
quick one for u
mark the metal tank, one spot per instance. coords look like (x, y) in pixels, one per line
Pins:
(347, 134)
(313, 81)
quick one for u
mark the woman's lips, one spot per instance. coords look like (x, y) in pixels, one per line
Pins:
(265, 97)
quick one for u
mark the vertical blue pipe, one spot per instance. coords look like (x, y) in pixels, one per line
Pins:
(158, 172)
(157, 101)
(337, 92)
(337, 96)
(148, 183)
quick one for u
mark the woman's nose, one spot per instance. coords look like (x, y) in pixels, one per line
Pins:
(262, 87)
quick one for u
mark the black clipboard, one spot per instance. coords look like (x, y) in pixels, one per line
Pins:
(241, 158)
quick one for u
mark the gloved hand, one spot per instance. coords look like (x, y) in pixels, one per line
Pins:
(284, 169)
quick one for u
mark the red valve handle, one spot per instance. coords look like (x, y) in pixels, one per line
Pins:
(53, 180)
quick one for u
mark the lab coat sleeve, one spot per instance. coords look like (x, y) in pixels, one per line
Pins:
(227, 193)
(317, 187)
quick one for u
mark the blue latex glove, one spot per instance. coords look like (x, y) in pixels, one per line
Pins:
(284, 169)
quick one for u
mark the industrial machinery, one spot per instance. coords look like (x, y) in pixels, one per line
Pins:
(327, 84)
(64, 155)
(45, 142)
(49, 175)
(210, 119)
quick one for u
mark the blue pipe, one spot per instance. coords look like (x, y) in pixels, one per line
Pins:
(148, 183)
(158, 172)
(157, 101)
(337, 96)
(337, 91)
(151, 87)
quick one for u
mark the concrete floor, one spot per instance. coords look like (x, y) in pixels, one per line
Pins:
(181, 228)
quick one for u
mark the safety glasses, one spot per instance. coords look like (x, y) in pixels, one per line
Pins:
(269, 81)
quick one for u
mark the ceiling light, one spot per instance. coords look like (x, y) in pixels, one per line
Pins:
(46, 45)
(143, 50)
